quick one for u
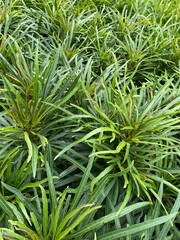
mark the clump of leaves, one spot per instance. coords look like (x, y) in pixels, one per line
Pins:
(130, 126)
(59, 216)
(51, 218)
(34, 96)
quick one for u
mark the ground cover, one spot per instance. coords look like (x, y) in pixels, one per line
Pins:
(89, 119)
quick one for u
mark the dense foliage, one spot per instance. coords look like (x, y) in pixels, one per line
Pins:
(89, 119)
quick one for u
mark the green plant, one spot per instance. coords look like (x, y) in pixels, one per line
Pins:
(89, 117)
(47, 221)
(32, 95)
(131, 126)
(58, 217)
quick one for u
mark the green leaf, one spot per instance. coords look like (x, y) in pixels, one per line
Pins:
(100, 176)
(51, 186)
(35, 184)
(36, 224)
(13, 234)
(168, 225)
(28, 230)
(5, 206)
(83, 184)
(126, 199)
(136, 228)
(23, 209)
(35, 157)
(158, 179)
(36, 76)
(120, 146)
(30, 146)
(108, 218)
(77, 222)
(56, 216)
(45, 222)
